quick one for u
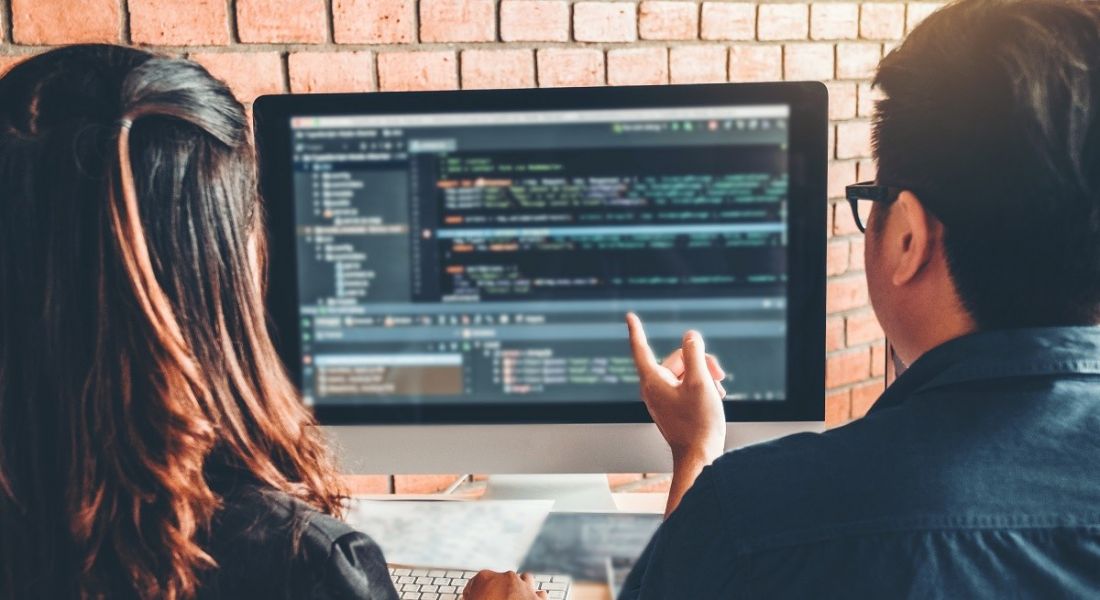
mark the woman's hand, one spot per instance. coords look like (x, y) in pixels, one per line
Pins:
(684, 396)
(489, 585)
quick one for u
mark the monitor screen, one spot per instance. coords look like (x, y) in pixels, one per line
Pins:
(450, 257)
(469, 256)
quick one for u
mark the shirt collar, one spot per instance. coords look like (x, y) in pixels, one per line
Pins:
(997, 355)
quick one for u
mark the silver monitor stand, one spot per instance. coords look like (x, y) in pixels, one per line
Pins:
(565, 463)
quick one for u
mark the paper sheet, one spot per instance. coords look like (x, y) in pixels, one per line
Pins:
(484, 534)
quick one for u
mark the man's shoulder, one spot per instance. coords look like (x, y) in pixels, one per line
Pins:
(860, 472)
(940, 462)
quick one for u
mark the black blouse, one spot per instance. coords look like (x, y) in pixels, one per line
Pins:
(269, 545)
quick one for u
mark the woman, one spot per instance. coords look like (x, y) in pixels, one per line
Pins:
(150, 444)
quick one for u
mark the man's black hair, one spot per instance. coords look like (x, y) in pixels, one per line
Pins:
(991, 116)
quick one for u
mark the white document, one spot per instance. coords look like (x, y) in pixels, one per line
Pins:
(473, 535)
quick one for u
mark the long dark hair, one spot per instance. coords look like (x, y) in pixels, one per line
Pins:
(134, 355)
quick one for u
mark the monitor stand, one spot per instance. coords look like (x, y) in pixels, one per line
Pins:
(576, 493)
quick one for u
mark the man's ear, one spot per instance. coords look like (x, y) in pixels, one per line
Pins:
(918, 233)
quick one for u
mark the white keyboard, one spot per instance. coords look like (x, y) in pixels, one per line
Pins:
(440, 584)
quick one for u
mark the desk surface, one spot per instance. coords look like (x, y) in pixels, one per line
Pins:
(591, 591)
(626, 502)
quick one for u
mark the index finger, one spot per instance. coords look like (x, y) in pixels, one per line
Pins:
(639, 345)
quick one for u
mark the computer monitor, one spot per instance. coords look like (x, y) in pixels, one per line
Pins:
(450, 271)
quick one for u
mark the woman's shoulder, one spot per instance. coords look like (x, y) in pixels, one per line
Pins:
(268, 544)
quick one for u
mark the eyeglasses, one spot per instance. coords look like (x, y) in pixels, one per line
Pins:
(863, 195)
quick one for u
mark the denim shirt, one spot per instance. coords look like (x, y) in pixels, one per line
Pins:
(976, 474)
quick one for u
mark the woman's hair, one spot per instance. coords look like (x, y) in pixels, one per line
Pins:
(135, 362)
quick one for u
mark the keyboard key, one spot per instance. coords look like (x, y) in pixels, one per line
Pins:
(407, 579)
(424, 580)
(437, 573)
(441, 581)
(400, 572)
(410, 587)
(419, 572)
(454, 574)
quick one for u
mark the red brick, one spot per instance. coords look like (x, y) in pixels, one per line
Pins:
(836, 257)
(417, 71)
(845, 293)
(729, 21)
(175, 23)
(423, 484)
(637, 66)
(841, 174)
(856, 255)
(282, 21)
(498, 69)
(857, 60)
(866, 97)
(457, 21)
(756, 63)
(878, 360)
(697, 64)
(882, 21)
(570, 67)
(844, 368)
(866, 170)
(619, 479)
(783, 22)
(249, 74)
(834, 333)
(534, 21)
(838, 408)
(812, 61)
(313, 72)
(919, 11)
(605, 21)
(7, 62)
(864, 397)
(843, 222)
(43, 22)
(367, 484)
(668, 20)
(374, 21)
(853, 139)
(834, 21)
(842, 99)
(862, 328)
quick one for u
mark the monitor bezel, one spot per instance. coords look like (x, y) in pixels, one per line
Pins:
(805, 377)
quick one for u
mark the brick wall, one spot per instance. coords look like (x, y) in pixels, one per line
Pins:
(270, 46)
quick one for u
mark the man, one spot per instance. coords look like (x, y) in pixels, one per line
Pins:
(977, 473)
